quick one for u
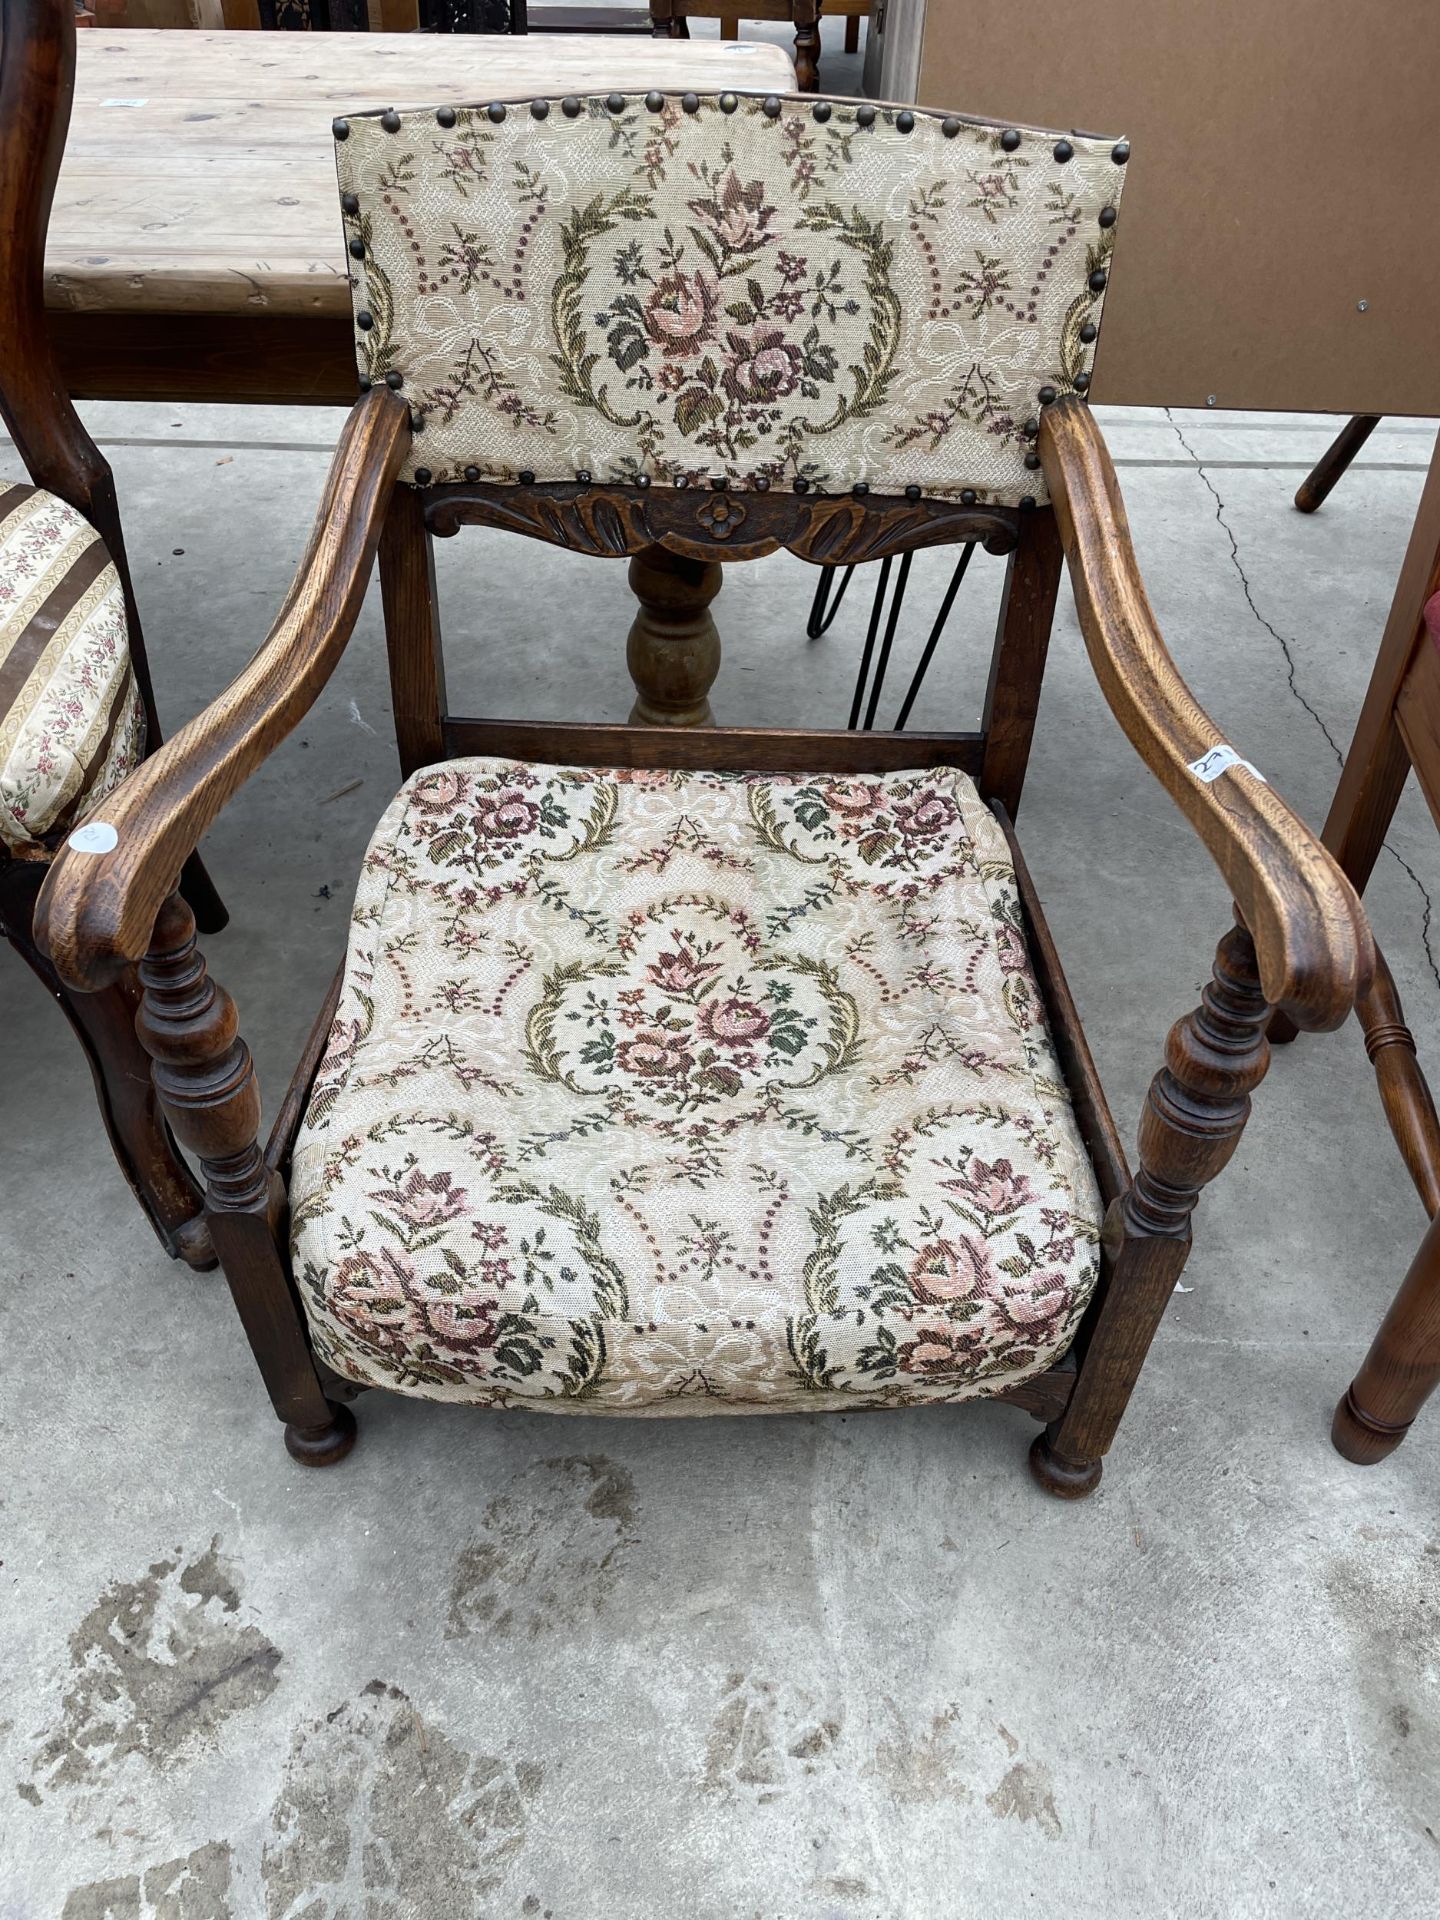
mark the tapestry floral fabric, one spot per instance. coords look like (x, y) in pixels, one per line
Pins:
(680, 1093)
(769, 290)
(71, 720)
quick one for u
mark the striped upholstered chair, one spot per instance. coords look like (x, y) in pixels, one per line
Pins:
(701, 1070)
(76, 709)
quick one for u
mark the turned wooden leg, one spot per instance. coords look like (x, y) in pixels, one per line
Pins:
(1194, 1115)
(1402, 1368)
(1316, 485)
(852, 33)
(807, 46)
(206, 1081)
(673, 651)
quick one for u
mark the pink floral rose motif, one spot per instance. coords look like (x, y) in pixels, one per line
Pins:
(679, 312)
(995, 1188)
(439, 792)
(737, 215)
(424, 1201)
(680, 972)
(508, 815)
(469, 1323)
(372, 1298)
(927, 815)
(762, 365)
(945, 1270)
(1033, 1310)
(854, 798)
(1010, 945)
(733, 1022)
(655, 1056)
(944, 1350)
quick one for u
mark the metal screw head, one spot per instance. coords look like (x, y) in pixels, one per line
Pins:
(1010, 139)
(357, 249)
(1210, 399)
(472, 474)
(860, 489)
(1096, 281)
(728, 103)
(570, 106)
(615, 102)
(445, 116)
(655, 102)
(340, 129)
(583, 477)
(1082, 383)
(1046, 395)
(394, 380)
(349, 203)
(770, 107)
(905, 122)
(821, 111)
(1063, 151)
(539, 109)
(802, 485)
(495, 111)
(1362, 306)
(423, 476)
(364, 321)
(865, 116)
(690, 102)
(1107, 216)
(968, 496)
(1089, 332)
(950, 126)
(390, 120)
(1120, 152)
(912, 492)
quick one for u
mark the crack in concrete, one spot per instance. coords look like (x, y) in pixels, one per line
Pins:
(1284, 646)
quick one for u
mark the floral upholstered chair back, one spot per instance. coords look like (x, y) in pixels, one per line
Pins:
(681, 289)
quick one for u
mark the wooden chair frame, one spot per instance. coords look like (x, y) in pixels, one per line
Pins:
(37, 73)
(1300, 941)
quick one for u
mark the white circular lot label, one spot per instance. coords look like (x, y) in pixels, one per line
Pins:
(96, 836)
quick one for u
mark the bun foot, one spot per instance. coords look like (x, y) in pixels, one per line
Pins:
(322, 1446)
(1361, 1438)
(1066, 1479)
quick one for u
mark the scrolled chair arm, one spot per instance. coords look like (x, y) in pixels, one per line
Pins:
(1312, 940)
(97, 910)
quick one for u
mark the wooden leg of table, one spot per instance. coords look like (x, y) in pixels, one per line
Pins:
(852, 33)
(1316, 485)
(807, 45)
(1402, 1368)
(730, 27)
(673, 651)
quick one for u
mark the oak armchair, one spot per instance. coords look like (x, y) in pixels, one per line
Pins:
(77, 709)
(710, 1070)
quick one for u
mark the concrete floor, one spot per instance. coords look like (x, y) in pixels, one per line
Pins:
(796, 1669)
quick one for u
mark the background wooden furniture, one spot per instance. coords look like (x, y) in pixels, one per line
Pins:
(669, 19)
(1247, 276)
(37, 57)
(1398, 729)
(1302, 942)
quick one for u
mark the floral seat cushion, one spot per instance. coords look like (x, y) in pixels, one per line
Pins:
(669, 1093)
(71, 720)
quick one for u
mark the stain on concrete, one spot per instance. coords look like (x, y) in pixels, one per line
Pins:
(921, 1767)
(1026, 1794)
(1386, 1594)
(30, 1792)
(195, 1887)
(764, 1737)
(549, 1553)
(381, 1812)
(156, 1666)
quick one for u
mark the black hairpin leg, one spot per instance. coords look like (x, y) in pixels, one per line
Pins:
(823, 611)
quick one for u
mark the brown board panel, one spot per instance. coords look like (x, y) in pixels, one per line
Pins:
(1286, 166)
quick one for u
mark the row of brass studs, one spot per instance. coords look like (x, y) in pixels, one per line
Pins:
(772, 106)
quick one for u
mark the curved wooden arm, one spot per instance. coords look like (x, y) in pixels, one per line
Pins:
(1311, 937)
(96, 910)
